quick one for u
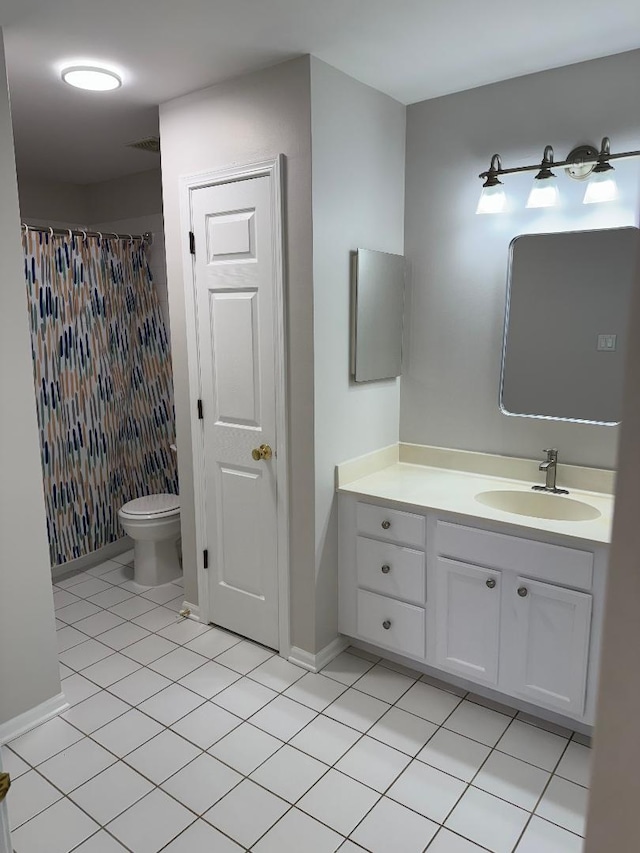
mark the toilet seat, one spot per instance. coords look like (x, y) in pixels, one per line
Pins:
(152, 506)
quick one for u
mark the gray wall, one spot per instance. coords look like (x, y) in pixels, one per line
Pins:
(242, 121)
(358, 141)
(450, 382)
(28, 654)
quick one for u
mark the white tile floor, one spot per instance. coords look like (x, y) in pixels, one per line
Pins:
(165, 748)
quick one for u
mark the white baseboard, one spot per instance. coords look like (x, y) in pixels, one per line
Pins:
(314, 663)
(94, 558)
(194, 611)
(30, 719)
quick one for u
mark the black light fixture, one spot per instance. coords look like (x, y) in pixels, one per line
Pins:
(492, 198)
(544, 192)
(602, 185)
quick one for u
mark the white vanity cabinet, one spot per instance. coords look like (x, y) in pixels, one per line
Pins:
(489, 604)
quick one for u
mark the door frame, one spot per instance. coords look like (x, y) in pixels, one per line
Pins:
(274, 170)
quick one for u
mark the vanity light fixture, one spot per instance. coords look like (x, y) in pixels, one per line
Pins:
(602, 184)
(582, 163)
(91, 77)
(544, 192)
(492, 198)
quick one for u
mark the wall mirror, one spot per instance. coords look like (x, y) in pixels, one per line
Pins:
(377, 314)
(565, 330)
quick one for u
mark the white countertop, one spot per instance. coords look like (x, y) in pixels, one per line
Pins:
(420, 487)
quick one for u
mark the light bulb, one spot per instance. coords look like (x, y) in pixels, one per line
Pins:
(492, 200)
(544, 193)
(602, 186)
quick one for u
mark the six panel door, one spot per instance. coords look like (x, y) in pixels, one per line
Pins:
(235, 304)
(468, 620)
(551, 645)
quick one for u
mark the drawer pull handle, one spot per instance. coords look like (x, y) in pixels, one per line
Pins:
(386, 569)
(386, 525)
(386, 624)
(523, 592)
(491, 582)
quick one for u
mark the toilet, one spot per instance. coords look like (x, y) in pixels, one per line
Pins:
(153, 522)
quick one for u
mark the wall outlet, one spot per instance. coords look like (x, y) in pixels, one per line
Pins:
(607, 343)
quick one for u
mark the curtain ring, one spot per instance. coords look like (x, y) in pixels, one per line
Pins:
(131, 239)
(51, 232)
(100, 237)
(26, 229)
(70, 235)
(84, 234)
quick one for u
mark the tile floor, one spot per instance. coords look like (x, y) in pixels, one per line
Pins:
(183, 737)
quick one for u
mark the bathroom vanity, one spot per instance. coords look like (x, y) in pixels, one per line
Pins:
(458, 571)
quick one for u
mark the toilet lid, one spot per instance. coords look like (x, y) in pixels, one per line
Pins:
(152, 505)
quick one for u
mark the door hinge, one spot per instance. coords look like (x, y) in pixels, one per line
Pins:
(192, 242)
(200, 412)
(205, 558)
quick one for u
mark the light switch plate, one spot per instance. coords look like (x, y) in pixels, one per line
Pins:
(607, 343)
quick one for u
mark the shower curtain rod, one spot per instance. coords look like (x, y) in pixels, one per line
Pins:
(147, 237)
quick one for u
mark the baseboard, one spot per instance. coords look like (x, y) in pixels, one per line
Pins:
(315, 662)
(30, 719)
(94, 558)
(194, 611)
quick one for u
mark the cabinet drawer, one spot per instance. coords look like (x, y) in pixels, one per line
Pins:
(540, 560)
(391, 569)
(405, 623)
(391, 524)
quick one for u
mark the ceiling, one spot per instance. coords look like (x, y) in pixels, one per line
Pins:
(410, 49)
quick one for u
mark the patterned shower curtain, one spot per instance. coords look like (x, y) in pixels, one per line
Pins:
(102, 370)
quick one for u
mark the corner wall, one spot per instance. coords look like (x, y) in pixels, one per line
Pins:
(358, 145)
(456, 299)
(245, 120)
(29, 672)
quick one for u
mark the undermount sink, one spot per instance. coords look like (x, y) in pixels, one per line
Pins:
(539, 505)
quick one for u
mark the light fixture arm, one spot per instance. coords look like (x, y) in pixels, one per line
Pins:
(603, 157)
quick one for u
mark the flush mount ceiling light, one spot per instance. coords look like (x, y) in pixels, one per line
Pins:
(492, 198)
(583, 163)
(544, 192)
(91, 77)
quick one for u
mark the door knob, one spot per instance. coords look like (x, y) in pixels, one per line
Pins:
(386, 569)
(523, 592)
(262, 452)
(5, 784)
(386, 624)
(491, 582)
(386, 525)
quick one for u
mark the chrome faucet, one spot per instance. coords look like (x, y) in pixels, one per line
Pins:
(550, 467)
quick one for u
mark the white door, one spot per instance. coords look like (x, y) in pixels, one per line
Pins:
(468, 620)
(551, 646)
(5, 835)
(236, 321)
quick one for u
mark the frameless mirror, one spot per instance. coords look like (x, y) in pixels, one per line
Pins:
(377, 312)
(565, 330)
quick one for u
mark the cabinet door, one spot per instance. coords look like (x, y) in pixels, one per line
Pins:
(468, 620)
(551, 646)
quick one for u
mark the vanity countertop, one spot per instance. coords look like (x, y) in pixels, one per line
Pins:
(419, 487)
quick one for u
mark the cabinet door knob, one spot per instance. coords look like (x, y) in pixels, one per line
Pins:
(386, 570)
(491, 582)
(386, 525)
(386, 624)
(523, 592)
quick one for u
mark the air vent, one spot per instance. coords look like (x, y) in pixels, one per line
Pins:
(150, 144)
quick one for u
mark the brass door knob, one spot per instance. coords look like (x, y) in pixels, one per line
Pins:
(5, 784)
(262, 452)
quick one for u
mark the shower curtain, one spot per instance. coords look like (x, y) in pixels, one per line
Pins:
(102, 371)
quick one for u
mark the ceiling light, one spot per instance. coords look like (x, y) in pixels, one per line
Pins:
(492, 198)
(602, 185)
(544, 192)
(91, 77)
